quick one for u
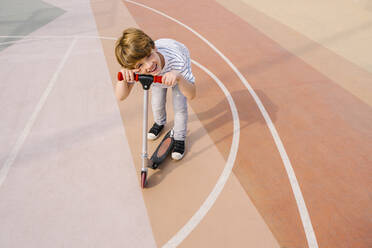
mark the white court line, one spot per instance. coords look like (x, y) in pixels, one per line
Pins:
(26, 131)
(17, 41)
(305, 218)
(57, 37)
(212, 197)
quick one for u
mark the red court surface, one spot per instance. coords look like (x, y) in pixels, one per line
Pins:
(278, 150)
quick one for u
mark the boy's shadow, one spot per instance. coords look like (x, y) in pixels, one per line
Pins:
(220, 115)
(212, 119)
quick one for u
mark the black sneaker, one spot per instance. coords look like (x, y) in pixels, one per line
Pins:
(154, 131)
(178, 150)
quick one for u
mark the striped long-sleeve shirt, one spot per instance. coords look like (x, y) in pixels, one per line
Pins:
(176, 57)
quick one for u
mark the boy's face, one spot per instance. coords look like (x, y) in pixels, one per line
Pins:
(151, 64)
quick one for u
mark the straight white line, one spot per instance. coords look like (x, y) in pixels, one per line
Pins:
(26, 131)
(16, 41)
(306, 222)
(57, 37)
(38, 36)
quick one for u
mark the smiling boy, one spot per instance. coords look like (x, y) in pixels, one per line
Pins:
(137, 52)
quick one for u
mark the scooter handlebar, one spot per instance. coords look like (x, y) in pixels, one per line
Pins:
(156, 79)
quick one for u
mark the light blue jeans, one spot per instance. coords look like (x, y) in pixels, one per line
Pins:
(158, 102)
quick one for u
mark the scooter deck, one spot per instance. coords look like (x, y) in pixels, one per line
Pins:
(163, 150)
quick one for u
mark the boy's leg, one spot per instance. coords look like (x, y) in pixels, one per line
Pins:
(180, 123)
(158, 100)
(180, 114)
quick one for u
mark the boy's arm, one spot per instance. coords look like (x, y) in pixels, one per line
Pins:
(174, 77)
(123, 87)
(122, 90)
(187, 88)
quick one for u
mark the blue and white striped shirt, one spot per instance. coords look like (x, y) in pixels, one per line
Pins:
(176, 57)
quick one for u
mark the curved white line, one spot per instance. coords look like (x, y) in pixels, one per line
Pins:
(212, 197)
(306, 222)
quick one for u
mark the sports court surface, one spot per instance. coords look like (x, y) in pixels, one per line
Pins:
(279, 146)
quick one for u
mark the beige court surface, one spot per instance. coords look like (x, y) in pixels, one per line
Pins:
(279, 136)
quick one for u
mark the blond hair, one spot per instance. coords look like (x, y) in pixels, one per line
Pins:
(133, 46)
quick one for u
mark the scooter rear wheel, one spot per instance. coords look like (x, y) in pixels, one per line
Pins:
(155, 166)
(143, 178)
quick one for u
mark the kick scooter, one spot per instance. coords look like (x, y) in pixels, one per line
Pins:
(166, 144)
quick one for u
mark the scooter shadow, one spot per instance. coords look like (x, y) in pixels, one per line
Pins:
(165, 168)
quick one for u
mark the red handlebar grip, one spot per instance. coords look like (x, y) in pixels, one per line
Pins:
(157, 79)
(120, 76)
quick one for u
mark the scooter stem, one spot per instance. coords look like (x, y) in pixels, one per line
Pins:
(144, 131)
(146, 81)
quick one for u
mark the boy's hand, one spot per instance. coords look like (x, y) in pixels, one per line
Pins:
(171, 78)
(128, 75)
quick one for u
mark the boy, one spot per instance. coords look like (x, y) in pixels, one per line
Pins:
(137, 52)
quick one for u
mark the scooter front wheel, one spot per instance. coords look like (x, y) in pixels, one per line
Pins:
(143, 178)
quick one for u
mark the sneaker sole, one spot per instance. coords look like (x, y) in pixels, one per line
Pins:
(177, 156)
(151, 136)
